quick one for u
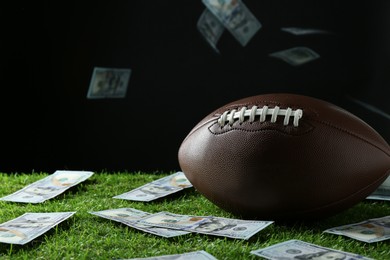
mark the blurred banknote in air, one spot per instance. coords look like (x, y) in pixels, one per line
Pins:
(303, 31)
(108, 83)
(211, 28)
(235, 17)
(296, 56)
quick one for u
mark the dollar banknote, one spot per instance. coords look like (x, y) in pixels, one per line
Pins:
(235, 17)
(129, 217)
(195, 255)
(297, 249)
(303, 31)
(372, 230)
(382, 192)
(109, 83)
(210, 28)
(210, 225)
(157, 189)
(29, 226)
(48, 187)
(296, 56)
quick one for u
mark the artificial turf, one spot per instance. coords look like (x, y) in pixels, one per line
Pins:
(86, 236)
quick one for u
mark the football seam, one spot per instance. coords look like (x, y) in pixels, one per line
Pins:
(196, 128)
(259, 130)
(311, 129)
(352, 134)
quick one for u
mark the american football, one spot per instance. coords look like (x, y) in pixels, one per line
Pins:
(284, 156)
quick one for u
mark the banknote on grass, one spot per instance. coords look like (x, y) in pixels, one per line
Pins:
(235, 17)
(210, 28)
(372, 230)
(210, 225)
(129, 217)
(48, 187)
(158, 188)
(29, 226)
(382, 192)
(296, 56)
(195, 255)
(297, 249)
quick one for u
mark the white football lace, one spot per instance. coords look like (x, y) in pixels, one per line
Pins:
(229, 117)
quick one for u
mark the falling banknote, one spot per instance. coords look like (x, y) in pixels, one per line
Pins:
(296, 249)
(217, 226)
(303, 31)
(157, 189)
(211, 28)
(130, 217)
(296, 56)
(236, 18)
(29, 226)
(48, 187)
(372, 230)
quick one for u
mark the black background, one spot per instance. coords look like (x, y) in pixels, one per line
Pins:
(49, 50)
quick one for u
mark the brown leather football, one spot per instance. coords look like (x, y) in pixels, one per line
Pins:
(284, 156)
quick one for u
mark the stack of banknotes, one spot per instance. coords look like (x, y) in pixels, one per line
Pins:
(167, 224)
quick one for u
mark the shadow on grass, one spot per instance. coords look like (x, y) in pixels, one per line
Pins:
(362, 211)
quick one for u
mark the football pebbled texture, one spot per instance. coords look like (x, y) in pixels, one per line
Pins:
(284, 156)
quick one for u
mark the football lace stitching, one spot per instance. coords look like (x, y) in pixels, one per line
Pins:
(229, 117)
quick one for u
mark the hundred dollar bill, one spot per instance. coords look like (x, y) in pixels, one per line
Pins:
(196, 255)
(236, 18)
(28, 226)
(303, 31)
(157, 189)
(171, 220)
(129, 217)
(48, 187)
(211, 28)
(372, 230)
(109, 83)
(297, 249)
(296, 56)
(217, 226)
(383, 191)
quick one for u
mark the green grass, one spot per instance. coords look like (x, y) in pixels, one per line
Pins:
(85, 236)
